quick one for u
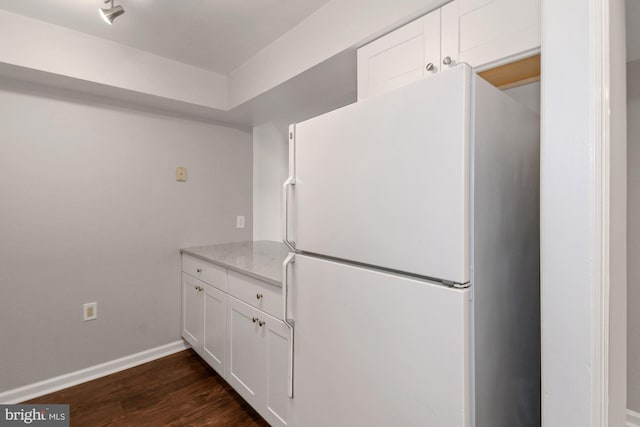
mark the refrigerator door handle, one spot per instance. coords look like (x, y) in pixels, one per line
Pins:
(285, 211)
(289, 322)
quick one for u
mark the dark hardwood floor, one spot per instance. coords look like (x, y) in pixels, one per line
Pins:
(177, 390)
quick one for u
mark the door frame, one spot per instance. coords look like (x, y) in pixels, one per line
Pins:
(584, 368)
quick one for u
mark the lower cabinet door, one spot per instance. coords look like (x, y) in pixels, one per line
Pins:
(192, 320)
(215, 329)
(276, 341)
(246, 352)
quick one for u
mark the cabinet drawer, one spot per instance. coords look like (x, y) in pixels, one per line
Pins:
(208, 273)
(261, 295)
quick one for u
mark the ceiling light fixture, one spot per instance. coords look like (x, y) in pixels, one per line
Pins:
(110, 13)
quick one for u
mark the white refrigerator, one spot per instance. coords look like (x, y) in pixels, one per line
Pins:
(412, 286)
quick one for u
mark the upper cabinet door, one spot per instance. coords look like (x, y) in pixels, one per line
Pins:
(431, 30)
(392, 61)
(481, 33)
(493, 31)
(449, 35)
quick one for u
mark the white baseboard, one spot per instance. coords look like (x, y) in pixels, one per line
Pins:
(41, 388)
(633, 418)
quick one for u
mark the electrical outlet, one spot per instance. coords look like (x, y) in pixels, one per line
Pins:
(181, 173)
(240, 222)
(90, 311)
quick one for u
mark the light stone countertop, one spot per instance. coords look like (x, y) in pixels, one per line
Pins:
(261, 259)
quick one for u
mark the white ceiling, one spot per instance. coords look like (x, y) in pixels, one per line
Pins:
(218, 35)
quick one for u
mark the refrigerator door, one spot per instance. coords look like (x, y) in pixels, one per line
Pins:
(377, 349)
(385, 181)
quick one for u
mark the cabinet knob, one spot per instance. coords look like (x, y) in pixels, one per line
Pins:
(254, 319)
(261, 323)
(447, 60)
(199, 270)
(258, 296)
(430, 66)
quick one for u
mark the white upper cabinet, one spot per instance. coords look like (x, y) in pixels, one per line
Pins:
(493, 31)
(449, 35)
(478, 32)
(400, 57)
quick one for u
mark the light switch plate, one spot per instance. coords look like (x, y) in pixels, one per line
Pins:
(181, 173)
(240, 222)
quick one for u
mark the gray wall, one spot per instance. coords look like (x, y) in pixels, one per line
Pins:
(270, 170)
(90, 211)
(633, 242)
(527, 95)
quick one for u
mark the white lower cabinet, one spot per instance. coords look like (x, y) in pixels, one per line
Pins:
(246, 351)
(204, 321)
(247, 346)
(276, 342)
(258, 360)
(192, 311)
(214, 337)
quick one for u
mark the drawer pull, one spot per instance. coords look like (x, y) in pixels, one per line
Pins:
(199, 270)
(254, 319)
(261, 323)
(259, 296)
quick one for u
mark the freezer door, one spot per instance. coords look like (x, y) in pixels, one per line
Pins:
(385, 181)
(375, 349)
